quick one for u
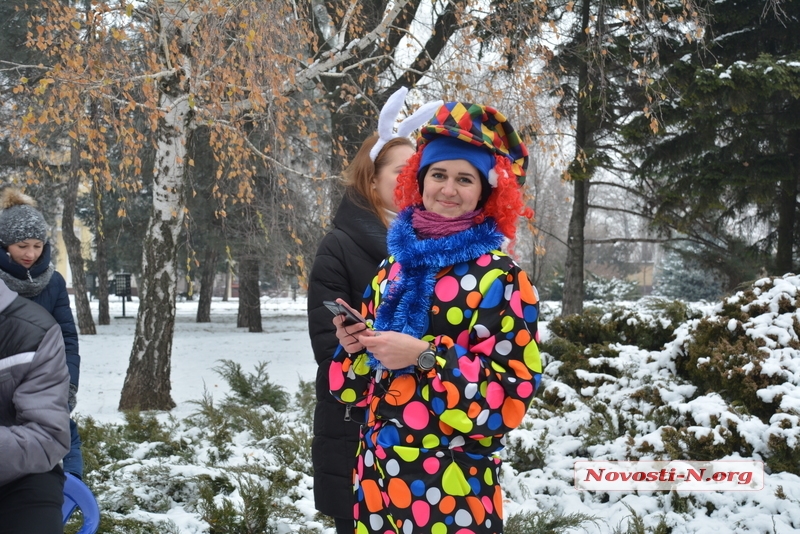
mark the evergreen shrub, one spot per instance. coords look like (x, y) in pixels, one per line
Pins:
(102, 444)
(595, 288)
(583, 341)
(151, 463)
(610, 289)
(635, 524)
(649, 326)
(253, 389)
(546, 522)
(569, 356)
(306, 400)
(520, 455)
(743, 352)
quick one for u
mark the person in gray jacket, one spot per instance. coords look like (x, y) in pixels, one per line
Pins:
(34, 417)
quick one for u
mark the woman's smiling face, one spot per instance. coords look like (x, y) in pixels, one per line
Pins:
(451, 187)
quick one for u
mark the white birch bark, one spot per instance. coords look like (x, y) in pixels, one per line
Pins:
(147, 383)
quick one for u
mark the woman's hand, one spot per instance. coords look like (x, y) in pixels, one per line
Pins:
(348, 335)
(393, 349)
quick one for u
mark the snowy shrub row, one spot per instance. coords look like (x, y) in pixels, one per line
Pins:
(748, 350)
(236, 467)
(663, 381)
(651, 380)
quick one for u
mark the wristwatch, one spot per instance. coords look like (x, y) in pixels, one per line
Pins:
(427, 358)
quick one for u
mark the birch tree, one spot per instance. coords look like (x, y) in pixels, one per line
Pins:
(177, 65)
(228, 65)
(253, 73)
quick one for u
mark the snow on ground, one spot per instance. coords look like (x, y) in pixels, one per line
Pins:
(285, 345)
(197, 349)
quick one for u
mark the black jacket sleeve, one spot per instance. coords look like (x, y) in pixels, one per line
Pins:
(62, 313)
(328, 281)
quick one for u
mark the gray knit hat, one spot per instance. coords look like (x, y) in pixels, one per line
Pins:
(19, 218)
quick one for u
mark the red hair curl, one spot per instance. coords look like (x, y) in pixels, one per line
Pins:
(406, 193)
(505, 205)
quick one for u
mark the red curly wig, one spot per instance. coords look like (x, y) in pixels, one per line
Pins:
(505, 204)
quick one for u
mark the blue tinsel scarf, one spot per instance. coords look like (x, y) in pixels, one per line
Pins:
(407, 303)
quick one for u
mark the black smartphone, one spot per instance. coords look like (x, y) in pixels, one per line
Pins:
(340, 309)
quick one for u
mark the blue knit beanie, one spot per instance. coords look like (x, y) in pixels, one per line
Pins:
(446, 148)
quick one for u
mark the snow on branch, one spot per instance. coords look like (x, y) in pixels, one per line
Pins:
(337, 57)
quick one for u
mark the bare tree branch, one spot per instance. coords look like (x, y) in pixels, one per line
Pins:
(613, 240)
(346, 21)
(15, 66)
(275, 162)
(542, 230)
(620, 186)
(337, 57)
(777, 9)
(621, 210)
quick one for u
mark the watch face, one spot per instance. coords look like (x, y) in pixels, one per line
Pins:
(426, 360)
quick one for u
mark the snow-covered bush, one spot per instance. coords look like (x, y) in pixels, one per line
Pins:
(252, 389)
(623, 383)
(723, 383)
(610, 289)
(238, 466)
(649, 325)
(595, 288)
(545, 522)
(680, 276)
(748, 351)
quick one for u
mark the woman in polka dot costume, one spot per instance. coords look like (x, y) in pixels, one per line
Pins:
(447, 360)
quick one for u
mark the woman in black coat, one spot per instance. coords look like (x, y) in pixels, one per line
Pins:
(344, 264)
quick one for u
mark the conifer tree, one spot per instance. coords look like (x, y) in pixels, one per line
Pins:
(727, 162)
(601, 58)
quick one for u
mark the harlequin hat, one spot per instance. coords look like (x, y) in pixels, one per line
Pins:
(481, 126)
(19, 219)
(482, 131)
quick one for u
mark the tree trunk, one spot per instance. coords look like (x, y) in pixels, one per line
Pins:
(147, 383)
(787, 207)
(73, 244)
(572, 300)
(226, 295)
(101, 262)
(786, 223)
(249, 295)
(209, 271)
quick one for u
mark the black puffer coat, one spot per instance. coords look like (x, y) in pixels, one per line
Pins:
(346, 261)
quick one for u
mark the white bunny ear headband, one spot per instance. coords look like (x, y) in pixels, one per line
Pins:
(389, 115)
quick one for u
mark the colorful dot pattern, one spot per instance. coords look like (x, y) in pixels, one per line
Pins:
(427, 461)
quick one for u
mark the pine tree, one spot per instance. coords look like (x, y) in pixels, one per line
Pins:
(600, 60)
(682, 276)
(727, 162)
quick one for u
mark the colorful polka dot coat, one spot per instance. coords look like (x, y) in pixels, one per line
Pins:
(427, 461)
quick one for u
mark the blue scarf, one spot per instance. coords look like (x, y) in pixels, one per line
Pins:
(406, 306)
